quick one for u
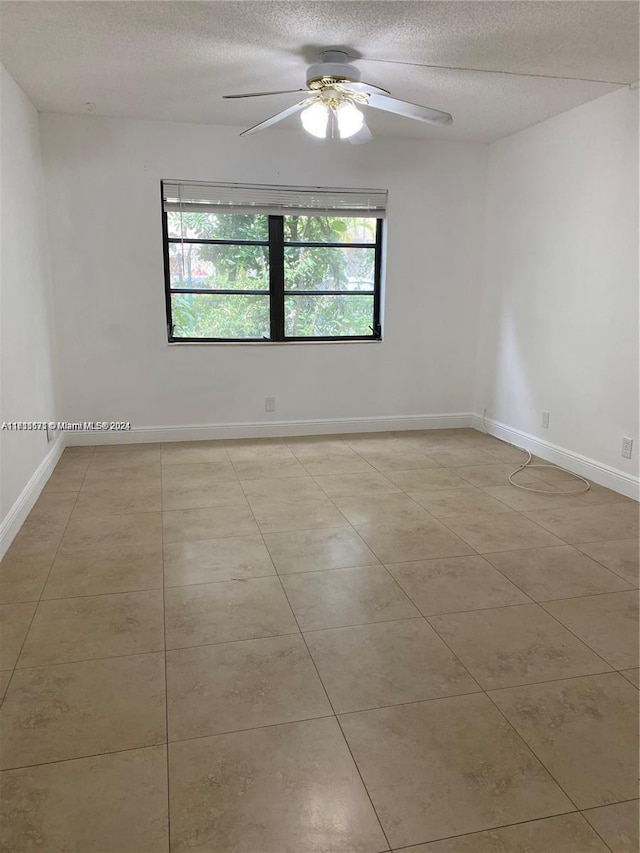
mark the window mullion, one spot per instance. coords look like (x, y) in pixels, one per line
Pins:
(377, 328)
(276, 276)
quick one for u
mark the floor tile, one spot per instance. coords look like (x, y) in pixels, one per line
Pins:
(127, 455)
(584, 730)
(590, 524)
(282, 490)
(348, 485)
(38, 537)
(448, 767)
(432, 440)
(22, 577)
(128, 477)
(52, 713)
(5, 678)
(63, 481)
(282, 516)
(395, 544)
(284, 789)
(425, 479)
(607, 623)
(209, 560)
(233, 686)
(378, 442)
(14, 624)
(632, 675)
(508, 531)
(78, 450)
(459, 501)
(247, 450)
(53, 507)
(396, 509)
(96, 571)
(451, 584)
(101, 500)
(200, 493)
(621, 556)
(322, 465)
(565, 834)
(141, 458)
(484, 476)
(340, 597)
(73, 465)
(398, 460)
(112, 531)
(312, 449)
(263, 469)
(102, 804)
(185, 525)
(522, 500)
(190, 474)
(101, 626)
(515, 645)
(618, 825)
(556, 572)
(367, 666)
(193, 452)
(222, 612)
(315, 550)
(463, 457)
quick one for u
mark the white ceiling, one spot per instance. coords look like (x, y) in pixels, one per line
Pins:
(175, 59)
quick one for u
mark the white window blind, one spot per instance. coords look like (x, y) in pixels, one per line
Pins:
(275, 200)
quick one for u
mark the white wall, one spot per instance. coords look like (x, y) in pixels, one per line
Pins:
(26, 328)
(103, 180)
(559, 315)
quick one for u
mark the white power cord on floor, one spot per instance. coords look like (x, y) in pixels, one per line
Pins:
(529, 464)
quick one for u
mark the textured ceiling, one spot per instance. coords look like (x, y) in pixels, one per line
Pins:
(175, 59)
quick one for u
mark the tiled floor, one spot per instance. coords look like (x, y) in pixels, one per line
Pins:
(348, 644)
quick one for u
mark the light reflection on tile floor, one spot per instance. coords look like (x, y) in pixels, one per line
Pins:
(357, 644)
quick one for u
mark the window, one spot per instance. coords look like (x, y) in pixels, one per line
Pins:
(257, 263)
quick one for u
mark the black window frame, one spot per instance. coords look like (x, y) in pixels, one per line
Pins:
(275, 245)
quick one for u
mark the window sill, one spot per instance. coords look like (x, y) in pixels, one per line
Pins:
(267, 343)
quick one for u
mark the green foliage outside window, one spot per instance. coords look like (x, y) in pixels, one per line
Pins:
(242, 266)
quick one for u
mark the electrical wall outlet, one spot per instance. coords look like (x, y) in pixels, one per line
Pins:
(627, 446)
(269, 404)
(545, 420)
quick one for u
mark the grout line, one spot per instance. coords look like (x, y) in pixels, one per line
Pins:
(411, 847)
(532, 751)
(599, 562)
(326, 692)
(81, 757)
(329, 716)
(164, 637)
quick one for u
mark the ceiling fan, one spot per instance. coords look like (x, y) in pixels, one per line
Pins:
(332, 99)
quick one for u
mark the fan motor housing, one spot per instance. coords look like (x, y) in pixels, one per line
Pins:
(327, 73)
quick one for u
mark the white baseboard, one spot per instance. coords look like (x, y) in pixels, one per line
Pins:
(604, 475)
(16, 516)
(271, 429)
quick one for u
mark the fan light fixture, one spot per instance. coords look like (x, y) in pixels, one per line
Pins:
(315, 118)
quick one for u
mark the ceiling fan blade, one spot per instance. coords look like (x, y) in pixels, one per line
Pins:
(262, 94)
(362, 136)
(366, 88)
(274, 119)
(404, 108)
